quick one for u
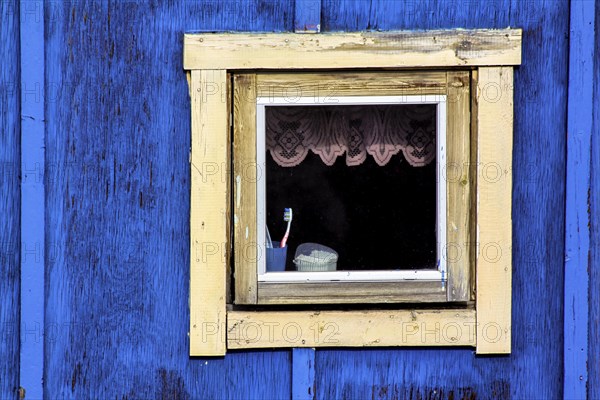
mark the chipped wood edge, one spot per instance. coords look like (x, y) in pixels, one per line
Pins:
(494, 223)
(209, 200)
(457, 185)
(244, 202)
(373, 328)
(403, 49)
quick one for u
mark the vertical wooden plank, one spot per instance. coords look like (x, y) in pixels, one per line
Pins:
(229, 248)
(577, 224)
(307, 16)
(10, 141)
(245, 175)
(494, 204)
(472, 246)
(458, 185)
(303, 374)
(32, 198)
(594, 260)
(209, 204)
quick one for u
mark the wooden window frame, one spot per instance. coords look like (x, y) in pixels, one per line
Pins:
(452, 85)
(489, 56)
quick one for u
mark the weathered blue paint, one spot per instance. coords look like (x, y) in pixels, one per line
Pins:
(307, 16)
(32, 197)
(535, 367)
(10, 198)
(118, 128)
(594, 261)
(357, 15)
(117, 208)
(303, 374)
(577, 234)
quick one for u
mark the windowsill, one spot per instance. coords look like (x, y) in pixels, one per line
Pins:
(351, 292)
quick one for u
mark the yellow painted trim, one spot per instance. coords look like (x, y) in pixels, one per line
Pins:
(263, 329)
(402, 49)
(209, 208)
(494, 204)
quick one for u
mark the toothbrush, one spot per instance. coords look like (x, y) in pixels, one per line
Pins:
(269, 242)
(287, 216)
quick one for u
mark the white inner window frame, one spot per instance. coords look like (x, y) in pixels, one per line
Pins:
(438, 274)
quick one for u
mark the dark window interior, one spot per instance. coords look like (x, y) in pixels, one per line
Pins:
(375, 217)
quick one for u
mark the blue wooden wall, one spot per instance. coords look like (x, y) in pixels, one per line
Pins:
(118, 140)
(117, 208)
(9, 198)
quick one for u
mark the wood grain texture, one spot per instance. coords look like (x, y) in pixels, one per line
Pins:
(458, 189)
(473, 180)
(32, 207)
(10, 144)
(246, 171)
(494, 210)
(303, 374)
(352, 50)
(593, 355)
(118, 204)
(329, 85)
(351, 292)
(307, 16)
(229, 247)
(578, 186)
(377, 328)
(209, 211)
(538, 217)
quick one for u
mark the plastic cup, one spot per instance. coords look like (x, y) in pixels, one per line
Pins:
(276, 257)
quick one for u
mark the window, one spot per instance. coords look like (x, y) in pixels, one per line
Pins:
(303, 158)
(384, 166)
(360, 176)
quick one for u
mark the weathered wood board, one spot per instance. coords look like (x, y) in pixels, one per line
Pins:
(9, 199)
(353, 50)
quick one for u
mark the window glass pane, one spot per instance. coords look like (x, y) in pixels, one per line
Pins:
(359, 179)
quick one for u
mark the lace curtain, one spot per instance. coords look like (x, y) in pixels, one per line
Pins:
(381, 131)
